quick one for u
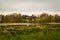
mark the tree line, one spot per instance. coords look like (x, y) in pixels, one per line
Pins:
(18, 18)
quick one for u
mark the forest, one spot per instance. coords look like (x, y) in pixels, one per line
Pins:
(18, 18)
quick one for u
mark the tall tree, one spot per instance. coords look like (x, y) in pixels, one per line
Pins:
(43, 18)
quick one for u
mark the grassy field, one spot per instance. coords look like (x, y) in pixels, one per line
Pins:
(29, 33)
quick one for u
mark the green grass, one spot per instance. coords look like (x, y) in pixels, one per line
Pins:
(30, 33)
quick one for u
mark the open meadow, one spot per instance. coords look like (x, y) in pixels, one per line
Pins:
(43, 32)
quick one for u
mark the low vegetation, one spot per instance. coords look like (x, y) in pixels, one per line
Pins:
(30, 32)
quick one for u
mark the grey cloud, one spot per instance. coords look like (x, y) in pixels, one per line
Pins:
(29, 6)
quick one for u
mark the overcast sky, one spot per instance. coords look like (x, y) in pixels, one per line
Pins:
(30, 6)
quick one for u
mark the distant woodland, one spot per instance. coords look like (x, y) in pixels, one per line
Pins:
(18, 18)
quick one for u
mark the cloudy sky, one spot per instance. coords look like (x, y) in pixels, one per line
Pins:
(30, 6)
